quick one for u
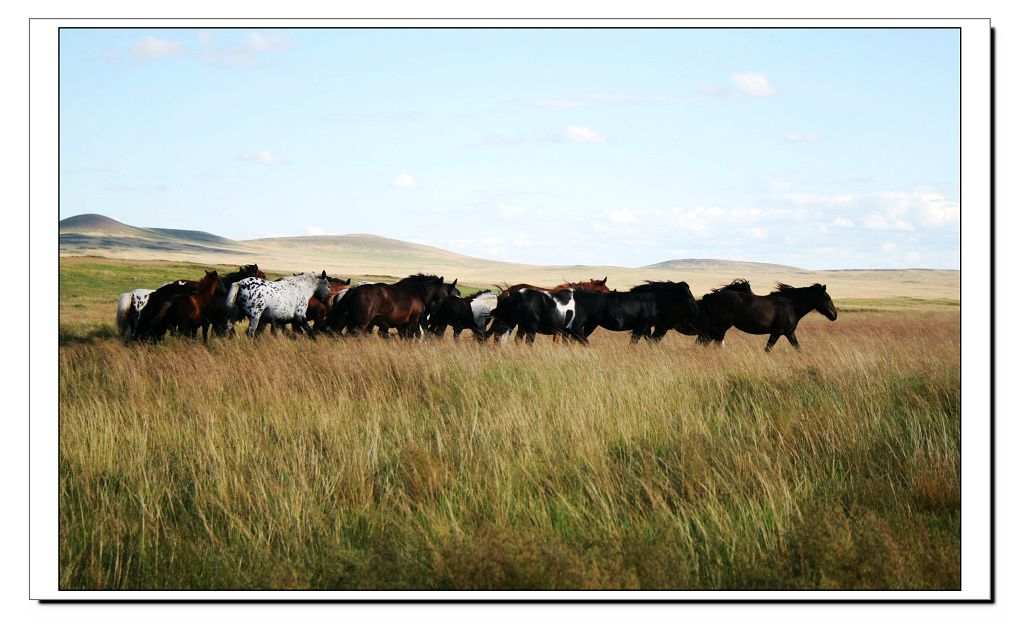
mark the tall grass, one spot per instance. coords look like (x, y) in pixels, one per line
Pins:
(367, 464)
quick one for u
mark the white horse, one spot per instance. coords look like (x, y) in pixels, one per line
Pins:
(284, 301)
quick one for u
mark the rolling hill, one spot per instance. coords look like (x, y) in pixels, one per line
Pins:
(363, 255)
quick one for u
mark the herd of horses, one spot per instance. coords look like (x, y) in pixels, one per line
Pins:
(424, 304)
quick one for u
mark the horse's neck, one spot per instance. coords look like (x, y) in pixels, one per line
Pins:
(802, 305)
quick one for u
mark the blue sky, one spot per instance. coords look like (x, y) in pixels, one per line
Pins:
(813, 148)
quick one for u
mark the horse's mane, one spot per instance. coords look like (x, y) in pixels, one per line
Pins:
(419, 279)
(736, 285)
(477, 294)
(784, 289)
(657, 286)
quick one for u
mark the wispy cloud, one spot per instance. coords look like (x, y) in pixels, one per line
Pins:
(247, 53)
(583, 135)
(902, 211)
(806, 138)
(265, 157)
(152, 48)
(403, 180)
(314, 231)
(754, 84)
(386, 118)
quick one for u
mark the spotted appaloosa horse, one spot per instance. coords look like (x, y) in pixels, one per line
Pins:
(129, 306)
(283, 301)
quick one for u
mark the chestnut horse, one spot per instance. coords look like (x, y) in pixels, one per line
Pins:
(189, 310)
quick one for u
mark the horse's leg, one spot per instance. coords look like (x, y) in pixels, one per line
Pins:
(772, 342)
(531, 337)
(253, 324)
(792, 337)
(205, 331)
(635, 336)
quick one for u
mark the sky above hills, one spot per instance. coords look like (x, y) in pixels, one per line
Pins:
(812, 148)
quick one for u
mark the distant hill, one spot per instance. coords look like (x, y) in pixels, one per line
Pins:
(365, 256)
(721, 265)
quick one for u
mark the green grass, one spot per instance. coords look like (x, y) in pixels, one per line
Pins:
(366, 464)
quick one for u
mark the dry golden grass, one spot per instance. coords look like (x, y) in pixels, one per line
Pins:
(362, 463)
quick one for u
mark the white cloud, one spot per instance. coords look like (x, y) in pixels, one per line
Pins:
(754, 84)
(758, 233)
(843, 222)
(403, 180)
(259, 42)
(806, 138)
(314, 231)
(888, 247)
(153, 48)
(913, 255)
(265, 157)
(205, 38)
(583, 135)
(246, 54)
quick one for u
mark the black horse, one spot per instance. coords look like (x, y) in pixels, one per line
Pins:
(456, 312)
(776, 314)
(662, 305)
(402, 305)
(691, 328)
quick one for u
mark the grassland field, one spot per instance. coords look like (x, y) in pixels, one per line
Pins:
(287, 463)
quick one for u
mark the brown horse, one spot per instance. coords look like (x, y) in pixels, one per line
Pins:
(188, 311)
(401, 305)
(594, 285)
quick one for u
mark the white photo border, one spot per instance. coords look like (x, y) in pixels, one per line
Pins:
(977, 565)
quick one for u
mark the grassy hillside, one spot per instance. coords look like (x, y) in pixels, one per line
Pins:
(371, 464)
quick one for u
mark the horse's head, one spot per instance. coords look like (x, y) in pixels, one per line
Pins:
(689, 304)
(451, 288)
(822, 301)
(594, 285)
(322, 286)
(210, 282)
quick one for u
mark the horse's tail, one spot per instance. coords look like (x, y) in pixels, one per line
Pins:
(232, 296)
(123, 306)
(336, 314)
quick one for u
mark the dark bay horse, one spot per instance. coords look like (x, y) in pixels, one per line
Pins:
(188, 311)
(401, 305)
(776, 314)
(662, 305)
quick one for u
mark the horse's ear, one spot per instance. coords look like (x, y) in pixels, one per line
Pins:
(454, 284)
(323, 274)
(441, 279)
(823, 288)
(348, 282)
(604, 280)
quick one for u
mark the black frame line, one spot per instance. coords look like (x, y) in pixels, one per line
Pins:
(992, 589)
